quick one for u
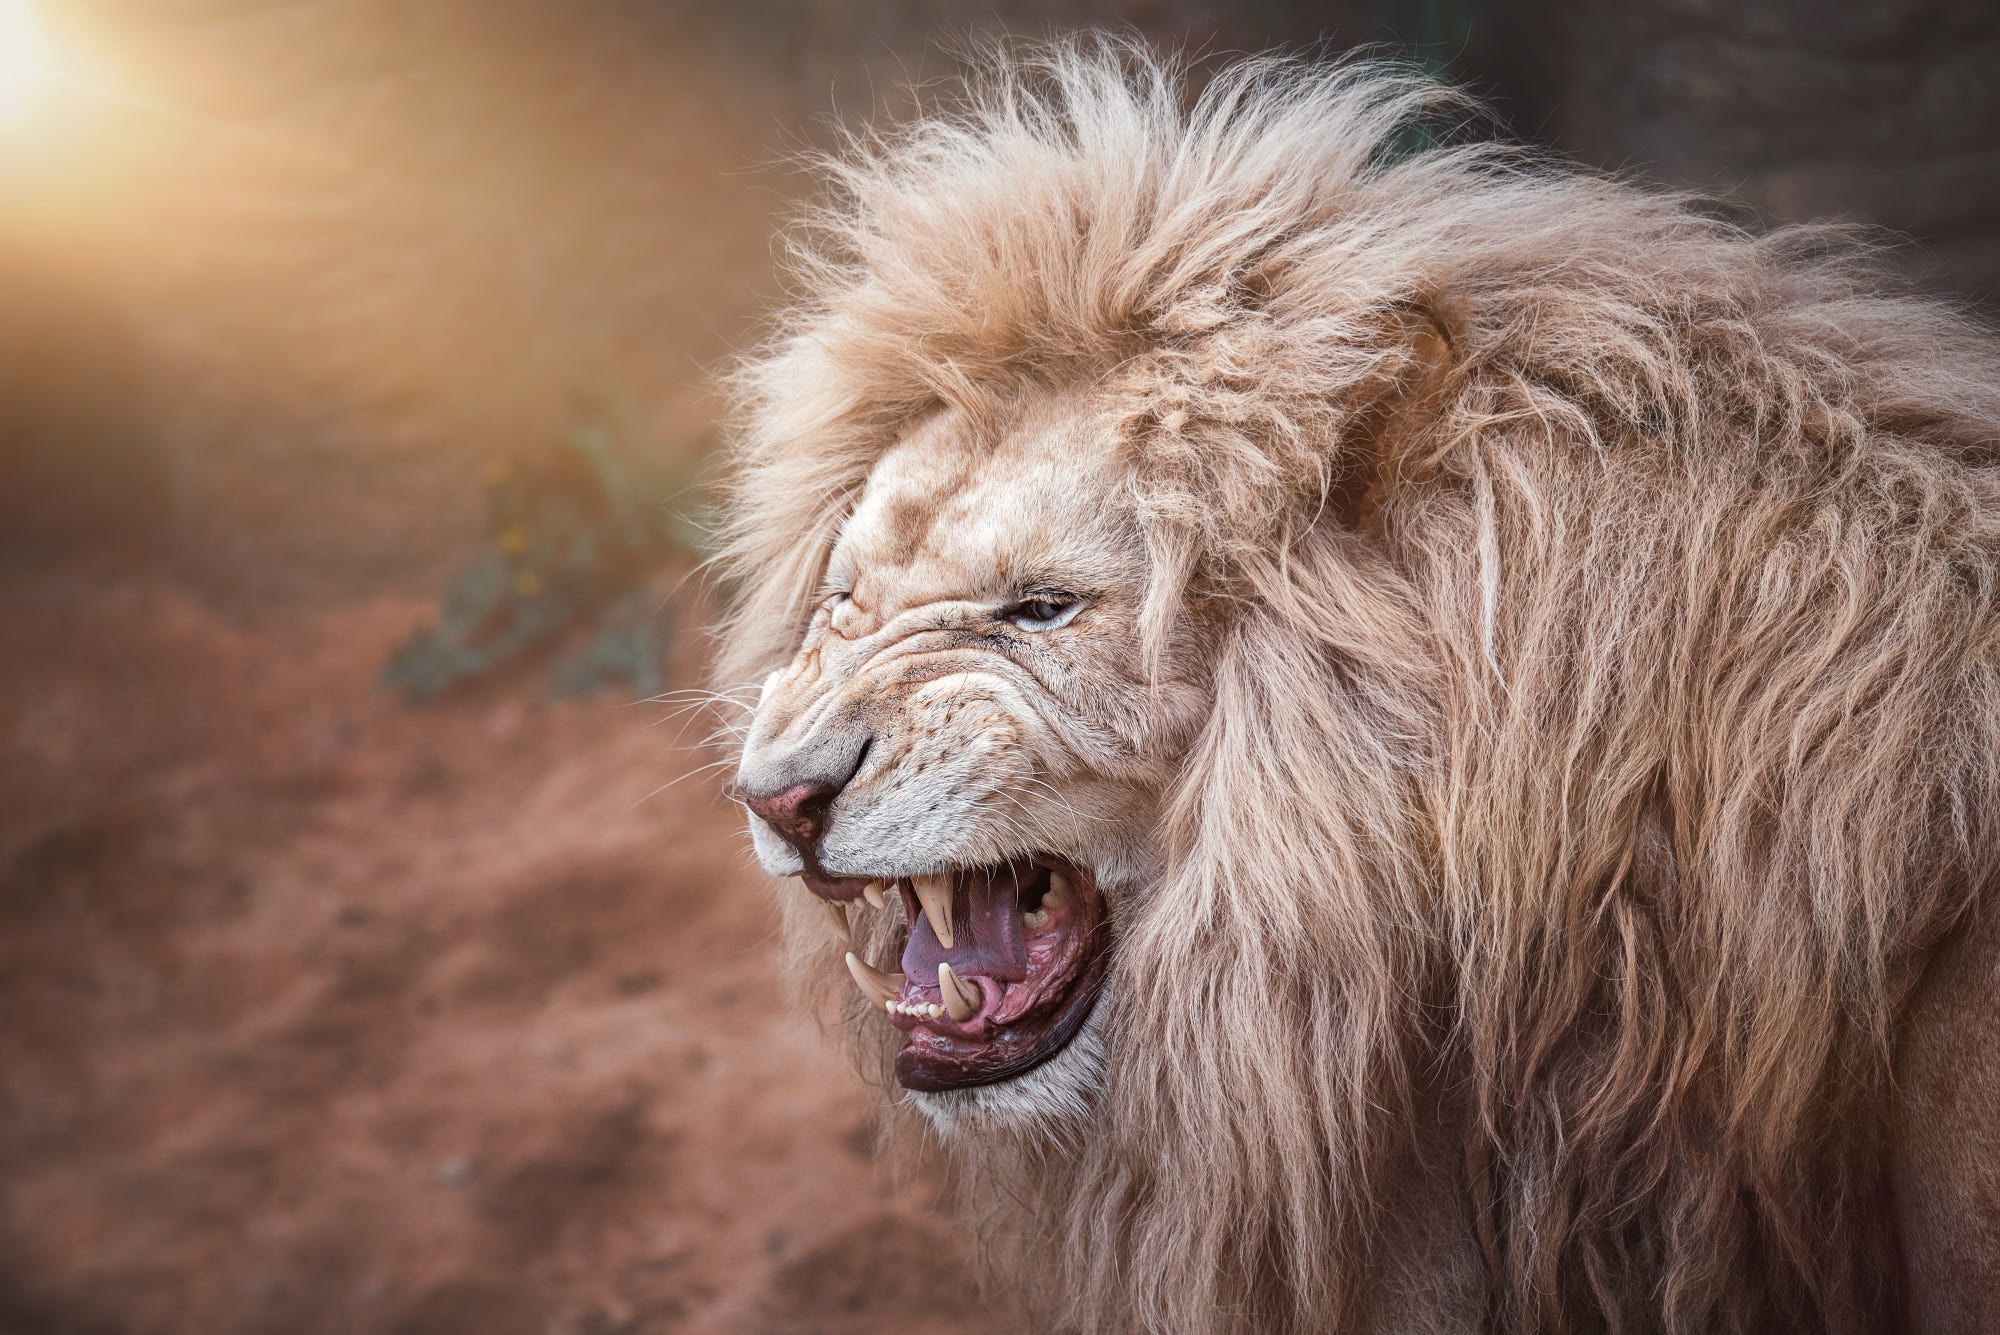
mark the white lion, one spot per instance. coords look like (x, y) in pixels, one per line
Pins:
(1406, 737)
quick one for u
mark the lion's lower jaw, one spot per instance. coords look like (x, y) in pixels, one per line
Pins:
(1055, 1100)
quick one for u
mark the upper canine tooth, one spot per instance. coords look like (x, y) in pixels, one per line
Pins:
(956, 1003)
(872, 892)
(839, 917)
(934, 893)
(1058, 892)
(878, 987)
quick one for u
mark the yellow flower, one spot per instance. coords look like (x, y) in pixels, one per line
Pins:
(514, 540)
(527, 584)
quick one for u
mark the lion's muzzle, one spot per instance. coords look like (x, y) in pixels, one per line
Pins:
(1001, 967)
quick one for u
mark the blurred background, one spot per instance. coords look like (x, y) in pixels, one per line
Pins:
(375, 953)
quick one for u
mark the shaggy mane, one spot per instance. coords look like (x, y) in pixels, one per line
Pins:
(1604, 716)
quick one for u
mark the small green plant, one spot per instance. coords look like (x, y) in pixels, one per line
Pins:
(579, 537)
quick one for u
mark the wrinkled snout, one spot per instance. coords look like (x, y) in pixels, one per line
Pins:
(793, 785)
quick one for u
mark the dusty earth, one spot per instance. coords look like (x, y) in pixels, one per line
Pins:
(320, 1014)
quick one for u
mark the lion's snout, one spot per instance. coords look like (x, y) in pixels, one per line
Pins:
(792, 790)
(798, 812)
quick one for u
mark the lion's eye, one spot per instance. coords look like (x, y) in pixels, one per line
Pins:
(1045, 612)
(830, 605)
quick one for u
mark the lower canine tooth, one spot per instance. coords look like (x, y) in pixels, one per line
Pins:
(934, 893)
(877, 986)
(957, 1003)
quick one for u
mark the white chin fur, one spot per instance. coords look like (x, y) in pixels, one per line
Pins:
(1054, 1101)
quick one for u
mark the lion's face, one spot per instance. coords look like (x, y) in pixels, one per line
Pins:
(967, 728)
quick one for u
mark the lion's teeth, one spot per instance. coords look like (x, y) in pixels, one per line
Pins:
(934, 1011)
(872, 892)
(1057, 894)
(934, 893)
(1036, 920)
(838, 916)
(961, 1001)
(877, 986)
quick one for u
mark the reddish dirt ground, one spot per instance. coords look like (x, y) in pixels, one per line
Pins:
(321, 1014)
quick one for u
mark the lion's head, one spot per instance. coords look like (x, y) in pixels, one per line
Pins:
(1319, 687)
(970, 726)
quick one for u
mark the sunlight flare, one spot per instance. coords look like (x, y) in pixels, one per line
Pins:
(26, 70)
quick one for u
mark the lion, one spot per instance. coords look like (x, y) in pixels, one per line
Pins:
(1380, 733)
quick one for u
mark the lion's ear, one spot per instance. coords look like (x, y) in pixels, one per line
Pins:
(1393, 408)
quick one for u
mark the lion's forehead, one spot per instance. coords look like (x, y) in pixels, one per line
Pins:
(947, 515)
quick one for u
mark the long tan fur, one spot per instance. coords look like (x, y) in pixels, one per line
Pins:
(1605, 710)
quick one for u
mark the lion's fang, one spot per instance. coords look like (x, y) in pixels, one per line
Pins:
(934, 893)
(875, 985)
(957, 1003)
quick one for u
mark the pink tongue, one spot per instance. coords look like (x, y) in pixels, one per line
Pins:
(986, 931)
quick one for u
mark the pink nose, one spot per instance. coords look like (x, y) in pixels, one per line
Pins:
(798, 813)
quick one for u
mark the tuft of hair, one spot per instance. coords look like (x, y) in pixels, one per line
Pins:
(1605, 717)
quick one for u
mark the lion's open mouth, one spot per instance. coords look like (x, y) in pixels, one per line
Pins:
(1002, 966)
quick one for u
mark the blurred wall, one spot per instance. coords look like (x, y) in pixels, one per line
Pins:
(339, 253)
(1884, 112)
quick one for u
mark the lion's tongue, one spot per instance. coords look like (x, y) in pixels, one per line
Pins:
(986, 931)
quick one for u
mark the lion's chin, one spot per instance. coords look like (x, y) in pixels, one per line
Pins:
(1002, 968)
(1055, 1101)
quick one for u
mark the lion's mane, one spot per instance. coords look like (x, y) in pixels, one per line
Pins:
(1605, 707)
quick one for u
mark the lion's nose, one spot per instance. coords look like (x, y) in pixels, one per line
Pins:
(793, 791)
(798, 813)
